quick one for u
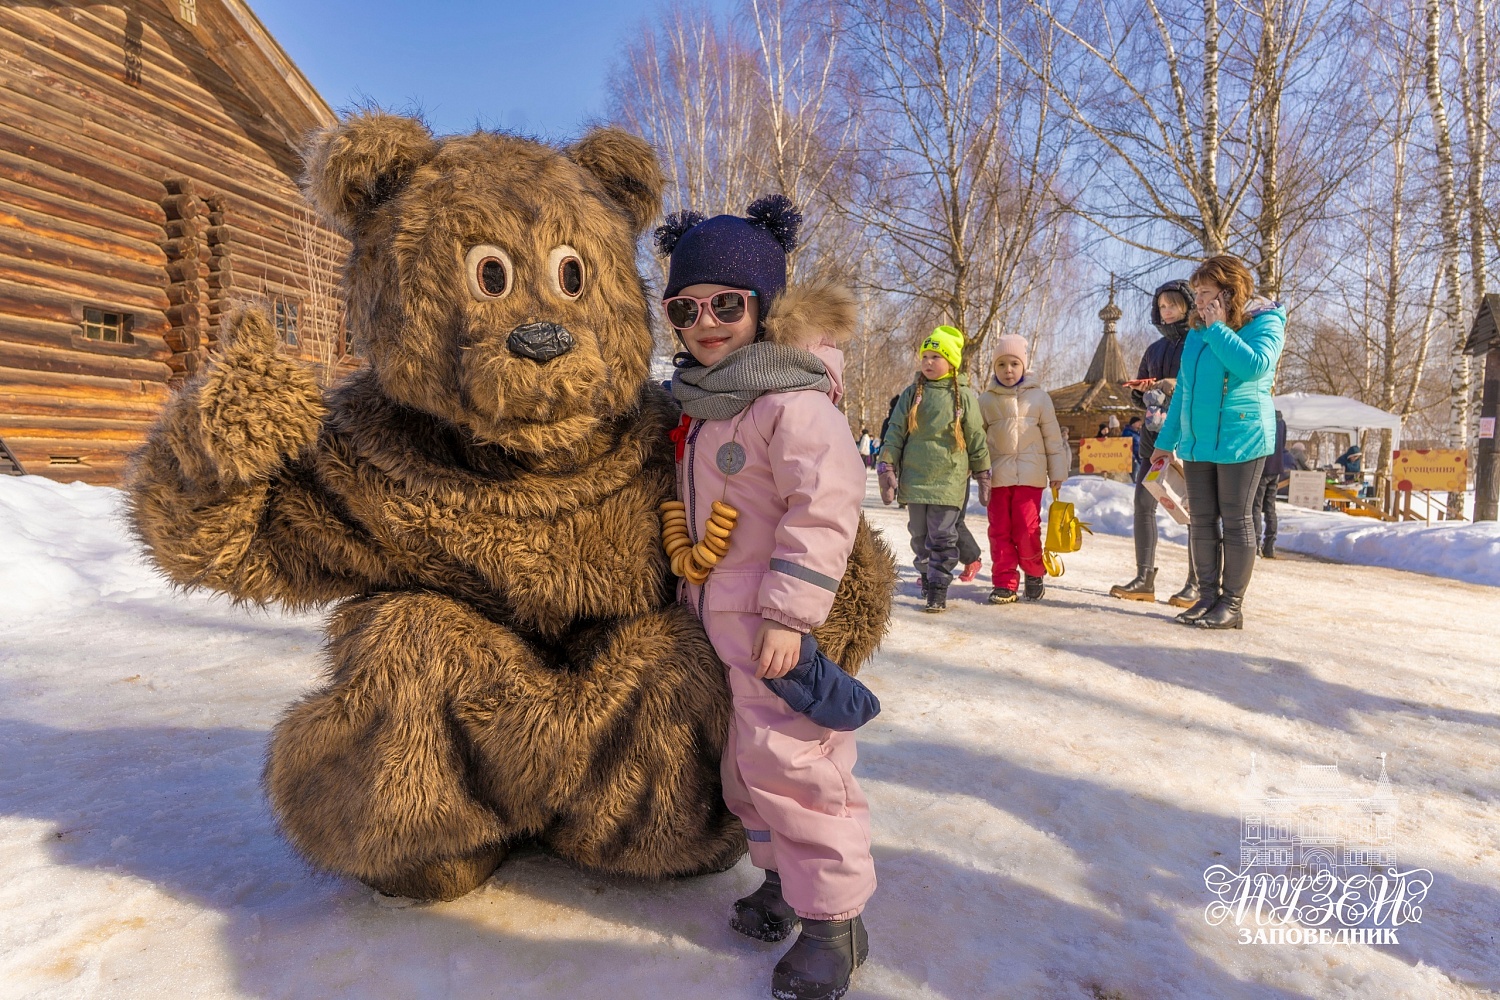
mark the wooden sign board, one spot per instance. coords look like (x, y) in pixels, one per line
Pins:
(1430, 469)
(1105, 455)
(1305, 489)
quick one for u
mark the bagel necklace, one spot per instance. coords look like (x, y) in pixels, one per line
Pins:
(693, 562)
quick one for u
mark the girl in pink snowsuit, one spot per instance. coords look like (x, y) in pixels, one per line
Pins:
(762, 434)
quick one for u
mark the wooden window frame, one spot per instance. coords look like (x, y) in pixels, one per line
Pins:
(114, 329)
(283, 306)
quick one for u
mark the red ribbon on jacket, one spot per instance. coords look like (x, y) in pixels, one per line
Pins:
(679, 435)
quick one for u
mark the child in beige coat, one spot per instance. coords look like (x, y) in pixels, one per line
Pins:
(1027, 454)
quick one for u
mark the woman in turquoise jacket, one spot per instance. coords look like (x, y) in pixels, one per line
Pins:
(1221, 423)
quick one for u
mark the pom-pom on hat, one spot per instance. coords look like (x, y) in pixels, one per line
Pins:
(947, 341)
(728, 250)
(1014, 345)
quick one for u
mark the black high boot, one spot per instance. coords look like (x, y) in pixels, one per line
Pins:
(1142, 588)
(1226, 613)
(764, 914)
(1205, 553)
(819, 965)
(1239, 564)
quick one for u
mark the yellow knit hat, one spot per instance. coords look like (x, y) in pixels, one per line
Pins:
(947, 341)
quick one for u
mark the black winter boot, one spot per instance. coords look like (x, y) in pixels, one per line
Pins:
(1035, 588)
(1268, 550)
(1226, 613)
(819, 965)
(1239, 565)
(937, 598)
(925, 585)
(1207, 554)
(1142, 588)
(1186, 597)
(1003, 595)
(764, 914)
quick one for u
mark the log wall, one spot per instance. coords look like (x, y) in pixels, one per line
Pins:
(135, 177)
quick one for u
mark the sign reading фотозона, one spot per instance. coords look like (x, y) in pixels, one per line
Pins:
(1430, 469)
(1105, 455)
(1305, 489)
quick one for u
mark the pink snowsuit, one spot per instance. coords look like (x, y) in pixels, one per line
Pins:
(789, 780)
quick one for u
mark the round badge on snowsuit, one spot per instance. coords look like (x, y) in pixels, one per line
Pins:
(731, 458)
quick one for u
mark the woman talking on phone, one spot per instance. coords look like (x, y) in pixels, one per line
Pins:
(1221, 423)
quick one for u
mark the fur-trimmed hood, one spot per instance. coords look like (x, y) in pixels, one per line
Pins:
(817, 314)
(817, 317)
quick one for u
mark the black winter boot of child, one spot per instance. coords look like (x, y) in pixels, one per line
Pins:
(1035, 588)
(819, 965)
(937, 598)
(925, 586)
(764, 914)
(1002, 595)
(1142, 588)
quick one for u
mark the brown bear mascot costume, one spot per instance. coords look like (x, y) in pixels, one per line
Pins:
(506, 664)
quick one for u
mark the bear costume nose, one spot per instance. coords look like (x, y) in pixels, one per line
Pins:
(540, 341)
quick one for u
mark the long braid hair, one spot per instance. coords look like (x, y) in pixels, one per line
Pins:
(958, 409)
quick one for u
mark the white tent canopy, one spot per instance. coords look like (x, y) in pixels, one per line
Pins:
(1306, 412)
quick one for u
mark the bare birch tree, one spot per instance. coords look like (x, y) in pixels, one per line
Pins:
(960, 156)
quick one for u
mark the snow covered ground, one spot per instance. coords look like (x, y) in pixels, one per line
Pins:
(1049, 783)
(1457, 550)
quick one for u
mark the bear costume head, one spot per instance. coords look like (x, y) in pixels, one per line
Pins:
(493, 278)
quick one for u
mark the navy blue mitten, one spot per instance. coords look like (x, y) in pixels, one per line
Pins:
(818, 689)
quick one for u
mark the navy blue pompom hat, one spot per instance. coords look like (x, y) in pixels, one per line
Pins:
(728, 250)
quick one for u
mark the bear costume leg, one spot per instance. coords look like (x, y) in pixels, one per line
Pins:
(443, 736)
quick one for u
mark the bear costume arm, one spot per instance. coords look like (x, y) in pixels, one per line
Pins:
(223, 495)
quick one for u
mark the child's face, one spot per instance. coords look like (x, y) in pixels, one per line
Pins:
(710, 341)
(1009, 369)
(934, 365)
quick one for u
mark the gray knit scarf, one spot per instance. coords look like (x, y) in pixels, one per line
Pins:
(723, 390)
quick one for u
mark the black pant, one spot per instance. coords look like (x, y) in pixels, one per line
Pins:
(934, 541)
(1220, 498)
(968, 549)
(1264, 509)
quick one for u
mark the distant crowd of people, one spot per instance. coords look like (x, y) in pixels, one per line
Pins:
(1204, 388)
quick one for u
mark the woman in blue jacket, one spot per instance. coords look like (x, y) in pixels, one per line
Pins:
(1221, 423)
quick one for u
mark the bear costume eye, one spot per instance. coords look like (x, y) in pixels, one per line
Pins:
(488, 272)
(566, 268)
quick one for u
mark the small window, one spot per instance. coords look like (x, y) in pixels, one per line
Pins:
(187, 11)
(286, 321)
(108, 327)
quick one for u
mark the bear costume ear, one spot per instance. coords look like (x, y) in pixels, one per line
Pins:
(627, 167)
(364, 160)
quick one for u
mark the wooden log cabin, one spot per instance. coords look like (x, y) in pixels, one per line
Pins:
(148, 165)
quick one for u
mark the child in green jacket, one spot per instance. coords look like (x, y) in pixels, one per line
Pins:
(935, 442)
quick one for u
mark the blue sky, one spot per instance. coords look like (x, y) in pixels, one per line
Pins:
(535, 67)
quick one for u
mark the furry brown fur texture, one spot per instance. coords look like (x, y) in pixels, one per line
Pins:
(506, 663)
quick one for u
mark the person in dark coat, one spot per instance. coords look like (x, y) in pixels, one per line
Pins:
(1264, 506)
(1169, 314)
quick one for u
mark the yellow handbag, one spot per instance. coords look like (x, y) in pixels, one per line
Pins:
(1064, 534)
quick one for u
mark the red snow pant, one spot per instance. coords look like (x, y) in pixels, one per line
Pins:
(1015, 534)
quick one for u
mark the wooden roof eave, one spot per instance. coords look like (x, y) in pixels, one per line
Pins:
(235, 38)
